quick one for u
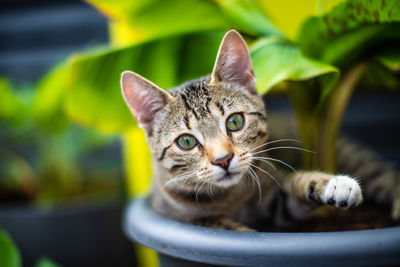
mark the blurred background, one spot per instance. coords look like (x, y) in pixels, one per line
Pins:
(61, 184)
(38, 35)
(70, 152)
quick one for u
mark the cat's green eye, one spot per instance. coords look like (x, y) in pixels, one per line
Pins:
(235, 122)
(186, 141)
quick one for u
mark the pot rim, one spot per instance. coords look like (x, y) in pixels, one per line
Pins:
(215, 246)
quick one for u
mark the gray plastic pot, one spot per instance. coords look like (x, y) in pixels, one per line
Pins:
(180, 244)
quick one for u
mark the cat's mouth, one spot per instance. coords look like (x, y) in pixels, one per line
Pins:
(228, 176)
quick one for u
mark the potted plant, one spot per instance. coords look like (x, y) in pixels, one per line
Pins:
(318, 64)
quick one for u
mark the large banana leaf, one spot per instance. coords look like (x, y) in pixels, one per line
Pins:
(94, 94)
(244, 15)
(288, 15)
(139, 21)
(350, 30)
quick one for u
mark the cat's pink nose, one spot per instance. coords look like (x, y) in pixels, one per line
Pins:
(223, 161)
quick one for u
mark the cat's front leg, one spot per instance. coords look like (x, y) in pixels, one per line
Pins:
(306, 190)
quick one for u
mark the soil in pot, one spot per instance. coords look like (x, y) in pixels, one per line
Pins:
(328, 219)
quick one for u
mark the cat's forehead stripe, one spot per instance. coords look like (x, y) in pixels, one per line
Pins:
(188, 106)
(196, 98)
(187, 121)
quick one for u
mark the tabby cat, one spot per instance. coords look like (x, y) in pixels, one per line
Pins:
(208, 139)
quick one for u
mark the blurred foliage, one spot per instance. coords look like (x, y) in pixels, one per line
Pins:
(377, 76)
(9, 253)
(390, 58)
(47, 107)
(10, 104)
(46, 262)
(45, 158)
(11, 257)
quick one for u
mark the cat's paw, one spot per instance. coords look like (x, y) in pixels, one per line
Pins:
(341, 191)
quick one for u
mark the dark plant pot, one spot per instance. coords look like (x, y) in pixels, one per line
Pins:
(180, 244)
(79, 235)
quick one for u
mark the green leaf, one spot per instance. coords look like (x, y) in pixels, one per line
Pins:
(94, 95)
(247, 17)
(11, 106)
(288, 16)
(9, 254)
(46, 262)
(350, 30)
(350, 47)
(149, 20)
(390, 58)
(378, 77)
(276, 60)
(47, 107)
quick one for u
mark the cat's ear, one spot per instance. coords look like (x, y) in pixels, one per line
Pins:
(144, 98)
(234, 63)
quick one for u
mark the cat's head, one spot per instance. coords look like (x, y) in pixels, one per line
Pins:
(202, 131)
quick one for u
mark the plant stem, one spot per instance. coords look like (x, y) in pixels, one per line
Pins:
(304, 97)
(330, 116)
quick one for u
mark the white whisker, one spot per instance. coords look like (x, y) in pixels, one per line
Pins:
(180, 178)
(252, 179)
(275, 141)
(273, 178)
(265, 159)
(283, 147)
(258, 184)
(184, 176)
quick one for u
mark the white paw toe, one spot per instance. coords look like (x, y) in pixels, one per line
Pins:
(342, 192)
